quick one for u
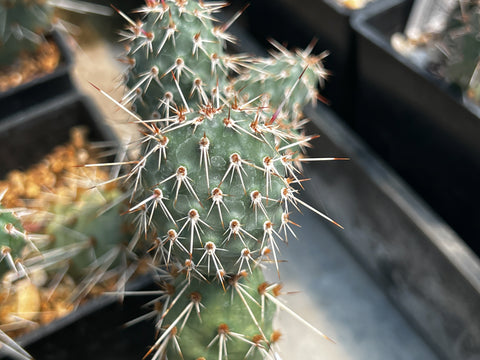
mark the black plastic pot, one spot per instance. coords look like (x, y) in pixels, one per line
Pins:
(95, 330)
(419, 261)
(297, 23)
(27, 136)
(42, 88)
(416, 122)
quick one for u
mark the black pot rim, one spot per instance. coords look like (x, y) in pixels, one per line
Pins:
(359, 22)
(89, 307)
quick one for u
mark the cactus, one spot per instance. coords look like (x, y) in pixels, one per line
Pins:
(24, 23)
(215, 180)
(459, 48)
(82, 241)
(216, 177)
(13, 239)
(445, 41)
(85, 247)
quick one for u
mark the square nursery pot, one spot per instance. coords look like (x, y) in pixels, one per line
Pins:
(95, 329)
(41, 88)
(423, 266)
(417, 123)
(298, 22)
(28, 135)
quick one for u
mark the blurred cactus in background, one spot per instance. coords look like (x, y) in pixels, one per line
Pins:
(459, 45)
(24, 24)
(75, 243)
(443, 38)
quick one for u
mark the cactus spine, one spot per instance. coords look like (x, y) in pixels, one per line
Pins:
(13, 239)
(216, 178)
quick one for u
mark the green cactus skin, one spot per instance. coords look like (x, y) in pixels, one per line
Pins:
(12, 241)
(216, 177)
(93, 227)
(23, 25)
(216, 315)
(275, 76)
(160, 50)
(213, 186)
(211, 171)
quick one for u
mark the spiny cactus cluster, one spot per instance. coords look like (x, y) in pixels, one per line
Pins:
(217, 176)
(23, 25)
(63, 209)
(447, 43)
(214, 178)
(13, 239)
(76, 242)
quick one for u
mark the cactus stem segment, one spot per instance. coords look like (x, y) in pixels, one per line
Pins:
(287, 97)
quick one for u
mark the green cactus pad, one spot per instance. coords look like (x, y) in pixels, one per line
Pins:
(217, 173)
(95, 223)
(175, 41)
(12, 240)
(214, 175)
(232, 322)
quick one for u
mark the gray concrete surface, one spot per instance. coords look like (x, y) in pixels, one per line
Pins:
(337, 296)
